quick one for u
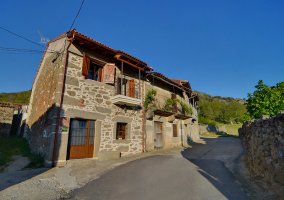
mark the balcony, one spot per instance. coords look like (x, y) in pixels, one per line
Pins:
(126, 93)
(125, 100)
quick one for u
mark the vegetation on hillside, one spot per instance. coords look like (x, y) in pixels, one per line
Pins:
(265, 100)
(16, 98)
(216, 109)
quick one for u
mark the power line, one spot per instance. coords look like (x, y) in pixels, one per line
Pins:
(77, 14)
(16, 50)
(20, 36)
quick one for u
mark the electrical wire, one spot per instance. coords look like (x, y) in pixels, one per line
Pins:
(28, 51)
(77, 14)
(22, 37)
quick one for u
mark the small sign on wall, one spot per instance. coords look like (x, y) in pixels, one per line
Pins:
(64, 124)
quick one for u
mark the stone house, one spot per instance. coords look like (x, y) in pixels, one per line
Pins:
(171, 120)
(87, 101)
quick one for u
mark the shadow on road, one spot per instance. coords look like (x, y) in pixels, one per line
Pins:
(8, 179)
(205, 157)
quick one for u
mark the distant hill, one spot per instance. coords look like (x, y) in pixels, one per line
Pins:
(216, 109)
(16, 98)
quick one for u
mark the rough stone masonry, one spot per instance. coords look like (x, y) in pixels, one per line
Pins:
(263, 140)
(6, 118)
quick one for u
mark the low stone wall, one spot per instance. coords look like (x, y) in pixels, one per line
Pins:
(6, 118)
(204, 128)
(263, 140)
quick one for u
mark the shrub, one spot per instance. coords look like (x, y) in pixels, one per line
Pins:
(149, 98)
(169, 104)
(185, 108)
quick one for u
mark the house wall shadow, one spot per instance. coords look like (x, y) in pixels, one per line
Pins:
(40, 139)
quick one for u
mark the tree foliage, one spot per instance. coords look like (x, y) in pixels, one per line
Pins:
(213, 110)
(265, 100)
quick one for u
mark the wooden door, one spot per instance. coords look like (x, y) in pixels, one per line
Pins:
(131, 88)
(158, 134)
(81, 138)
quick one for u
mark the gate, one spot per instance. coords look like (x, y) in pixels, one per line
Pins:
(81, 138)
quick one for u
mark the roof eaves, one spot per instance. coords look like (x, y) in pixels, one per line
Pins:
(158, 74)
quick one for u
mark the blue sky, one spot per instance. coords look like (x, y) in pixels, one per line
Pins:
(223, 47)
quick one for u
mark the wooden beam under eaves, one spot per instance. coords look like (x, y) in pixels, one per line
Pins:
(118, 57)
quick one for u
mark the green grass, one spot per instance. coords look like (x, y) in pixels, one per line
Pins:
(209, 135)
(232, 129)
(12, 146)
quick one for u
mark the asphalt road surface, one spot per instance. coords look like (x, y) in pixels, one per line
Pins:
(202, 172)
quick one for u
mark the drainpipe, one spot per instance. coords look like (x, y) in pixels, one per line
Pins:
(143, 118)
(60, 103)
(181, 133)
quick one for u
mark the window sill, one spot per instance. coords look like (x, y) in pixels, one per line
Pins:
(120, 141)
(125, 100)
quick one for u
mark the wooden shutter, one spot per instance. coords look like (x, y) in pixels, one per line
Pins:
(109, 73)
(131, 85)
(100, 73)
(118, 86)
(86, 65)
(175, 133)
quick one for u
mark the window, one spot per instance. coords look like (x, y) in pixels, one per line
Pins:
(91, 70)
(82, 131)
(175, 130)
(126, 87)
(121, 131)
(95, 72)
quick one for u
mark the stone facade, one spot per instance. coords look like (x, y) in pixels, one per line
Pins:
(6, 118)
(187, 129)
(89, 99)
(263, 140)
(44, 102)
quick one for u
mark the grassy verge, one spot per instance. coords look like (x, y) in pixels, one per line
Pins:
(226, 130)
(12, 146)
(209, 135)
(231, 129)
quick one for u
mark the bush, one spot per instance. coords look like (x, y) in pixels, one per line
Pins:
(149, 98)
(169, 104)
(185, 108)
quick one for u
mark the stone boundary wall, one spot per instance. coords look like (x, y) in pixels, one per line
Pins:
(6, 118)
(263, 140)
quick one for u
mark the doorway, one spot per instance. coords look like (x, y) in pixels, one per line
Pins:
(81, 139)
(158, 134)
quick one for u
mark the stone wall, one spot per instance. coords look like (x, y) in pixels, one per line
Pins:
(263, 141)
(6, 118)
(44, 102)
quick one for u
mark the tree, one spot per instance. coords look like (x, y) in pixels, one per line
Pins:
(265, 100)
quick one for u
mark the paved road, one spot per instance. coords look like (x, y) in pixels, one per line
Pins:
(198, 173)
